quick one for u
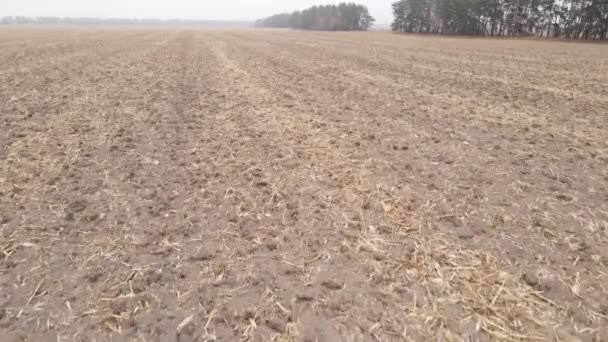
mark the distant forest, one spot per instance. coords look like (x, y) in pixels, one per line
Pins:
(576, 19)
(342, 17)
(119, 22)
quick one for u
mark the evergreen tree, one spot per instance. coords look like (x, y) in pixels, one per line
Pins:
(343, 17)
(579, 19)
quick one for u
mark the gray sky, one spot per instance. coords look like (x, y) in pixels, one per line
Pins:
(179, 9)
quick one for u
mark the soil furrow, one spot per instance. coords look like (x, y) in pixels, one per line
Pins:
(202, 185)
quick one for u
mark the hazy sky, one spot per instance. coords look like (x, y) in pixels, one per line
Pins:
(179, 9)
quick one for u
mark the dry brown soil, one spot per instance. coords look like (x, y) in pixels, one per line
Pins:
(187, 185)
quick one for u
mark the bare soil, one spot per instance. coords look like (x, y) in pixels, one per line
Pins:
(254, 185)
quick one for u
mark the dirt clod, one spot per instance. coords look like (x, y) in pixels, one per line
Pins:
(530, 278)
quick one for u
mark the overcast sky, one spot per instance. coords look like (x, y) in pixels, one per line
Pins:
(178, 9)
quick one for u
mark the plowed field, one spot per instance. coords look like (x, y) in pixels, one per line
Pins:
(259, 185)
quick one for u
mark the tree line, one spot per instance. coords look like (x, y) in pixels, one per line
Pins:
(21, 20)
(578, 19)
(341, 17)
